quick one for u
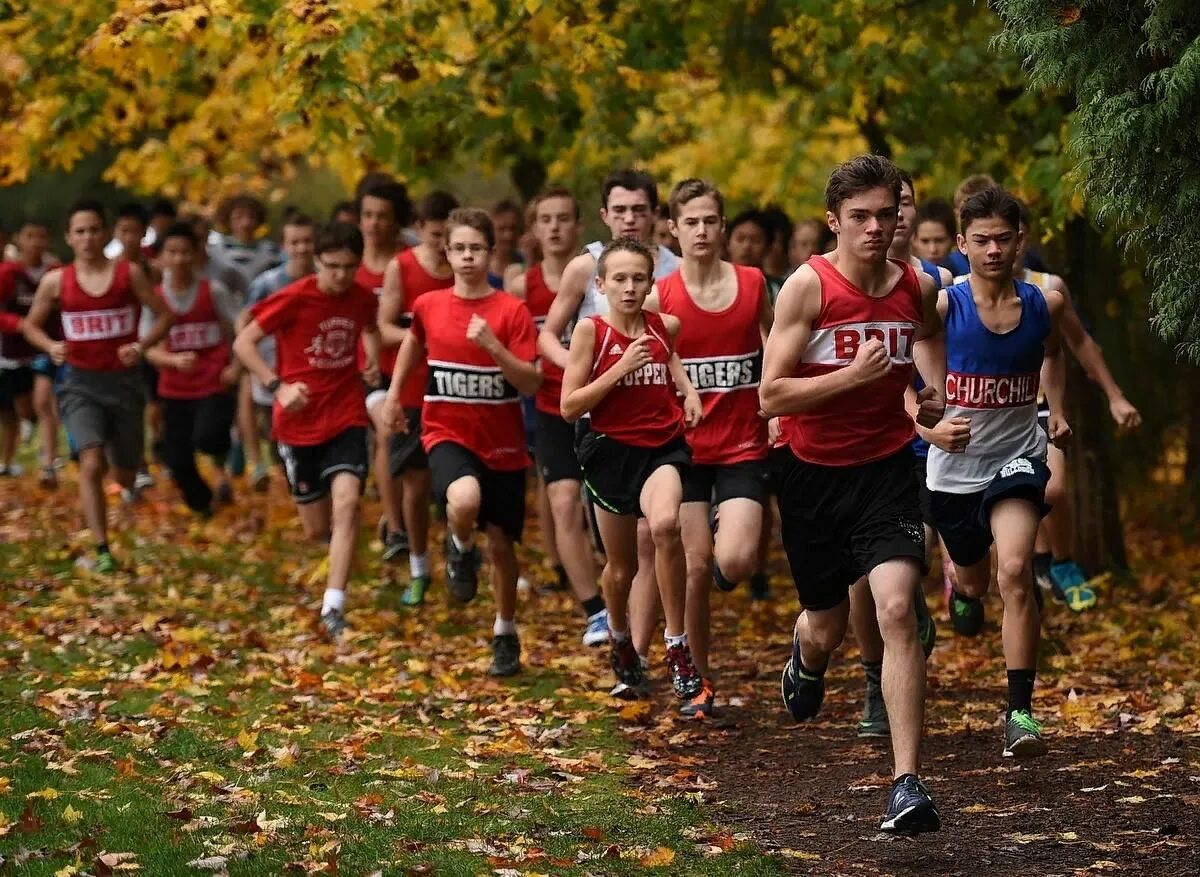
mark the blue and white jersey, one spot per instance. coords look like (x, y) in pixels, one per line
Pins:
(594, 302)
(920, 447)
(992, 379)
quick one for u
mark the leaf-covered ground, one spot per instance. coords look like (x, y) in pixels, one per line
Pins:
(184, 717)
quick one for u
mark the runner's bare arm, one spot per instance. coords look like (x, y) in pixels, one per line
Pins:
(163, 318)
(571, 289)
(929, 355)
(245, 348)
(796, 308)
(45, 301)
(514, 280)
(1054, 370)
(766, 313)
(693, 408)
(371, 346)
(391, 307)
(412, 351)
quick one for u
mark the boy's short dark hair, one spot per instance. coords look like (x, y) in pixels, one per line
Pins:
(858, 175)
(162, 207)
(86, 205)
(938, 210)
(691, 189)
(553, 192)
(624, 245)
(395, 194)
(339, 236)
(183, 230)
(242, 202)
(135, 211)
(989, 202)
(472, 217)
(436, 206)
(752, 215)
(634, 181)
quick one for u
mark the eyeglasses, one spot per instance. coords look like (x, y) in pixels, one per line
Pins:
(473, 249)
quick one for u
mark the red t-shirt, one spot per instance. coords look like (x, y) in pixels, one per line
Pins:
(97, 326)
(871, 422)
(198, 331)
(468, 401)
(722, 352)
(316, 338)
(643, 409)
(415, 282)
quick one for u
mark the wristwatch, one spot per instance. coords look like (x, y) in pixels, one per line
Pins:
(274, 386)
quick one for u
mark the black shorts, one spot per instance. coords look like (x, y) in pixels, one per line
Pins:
(405, 450)
(502, 493)
(923, 494)
(615, 473)
(840, 522)
(778, 461)
(963, 520)
(555, 439)
(714, 483)
(150, 381)
(14, 383)
(311, 468)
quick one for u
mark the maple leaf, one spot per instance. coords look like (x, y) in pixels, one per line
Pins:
(659, 858)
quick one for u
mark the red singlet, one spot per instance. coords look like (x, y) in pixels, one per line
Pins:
(198, 330)
(722, 352)
(538, 298)
(415, 282)
(871, 422)
(96, 326)
(642, 410)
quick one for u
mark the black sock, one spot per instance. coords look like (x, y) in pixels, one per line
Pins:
(723, 583)
(1042, 561)
(1020, 690)
(874, 671)
(561, 572)
(799, 661)
(758, 581)
(102, 548)
(592, 605)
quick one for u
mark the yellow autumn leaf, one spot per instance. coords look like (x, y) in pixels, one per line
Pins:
(660, 858)
(71, 815)
(248, 740)
(46, 794)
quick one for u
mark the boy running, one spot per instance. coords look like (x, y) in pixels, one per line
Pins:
(320, 421)
(479, 346)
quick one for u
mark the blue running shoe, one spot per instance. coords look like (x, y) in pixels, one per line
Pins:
(910, 809)
(1070, 586)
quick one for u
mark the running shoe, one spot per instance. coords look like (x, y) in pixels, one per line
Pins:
(926, 629)
(1041, 571)
(506, 655)
(759, 588)
(261, 479)
(910, 809)
(12, 470)
(802, 692)
(414, 594)
(462, 571)
(627, 666)
(874, 722)
(223, 494)
(334, 624)
(558, 584)
(142, 480)
(395, 544)
(966, 614)
(596, 632)
(685, 678)
(1070, 586)
(1023, 736)
(700, 707)
(105, 564)
(48, 477)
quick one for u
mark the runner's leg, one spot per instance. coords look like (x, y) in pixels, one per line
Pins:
(893, 585)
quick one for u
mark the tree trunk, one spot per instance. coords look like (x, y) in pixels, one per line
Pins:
(1095, 500)
(1192, 463)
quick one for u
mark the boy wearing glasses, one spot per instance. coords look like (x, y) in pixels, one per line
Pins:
(320, 417)
(480, 346)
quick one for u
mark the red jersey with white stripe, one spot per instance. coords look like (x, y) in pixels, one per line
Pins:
(197, 331)
(97, 326)
(870, 422)
(415, 282)
(538, 298)
(468, 401)
(722, 352)
(642, 410)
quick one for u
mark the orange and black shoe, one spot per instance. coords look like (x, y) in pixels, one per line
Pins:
(700, 707)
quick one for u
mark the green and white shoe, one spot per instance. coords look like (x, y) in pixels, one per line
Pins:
(414, 594)
(874, 722)
(1023, 736)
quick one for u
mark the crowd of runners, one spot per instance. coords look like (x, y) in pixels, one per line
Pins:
(885, 385)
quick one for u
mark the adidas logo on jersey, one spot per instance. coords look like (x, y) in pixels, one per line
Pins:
(615, 350)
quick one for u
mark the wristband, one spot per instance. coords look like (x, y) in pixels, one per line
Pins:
(274, 386)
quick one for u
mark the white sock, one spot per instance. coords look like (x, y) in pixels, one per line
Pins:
(460, 545)
(418, 565)
(333, 600)
(502, 627)
(680, 640)
(618, 636)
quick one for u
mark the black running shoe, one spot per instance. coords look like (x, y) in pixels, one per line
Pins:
(685, 678)
(627, 666)
(966, 614)
(910, 810)
(395, 544)
(333, 623)
(506, 655)
(462, 571)
(700, 707)
(874, 722)
(802, 692)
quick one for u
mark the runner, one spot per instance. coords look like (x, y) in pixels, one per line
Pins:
(101, 397)
(408, 489)
(242, 249)
(556, 225)
(196, 374)
(624, 371)
(998, 332)
(23, 391)
(509, 225)
(299, 239)
(662, 229)
(320, 420)
(480, 346)
(935, 227)
(724, 314)
(839, 358)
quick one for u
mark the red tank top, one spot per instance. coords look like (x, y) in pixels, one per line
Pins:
(416, 282)
(199, 331)
(871, 422)
(95, 327)
(17, 288)
(372, 282)
(642, 410)
(538, 298)
(722, 352)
